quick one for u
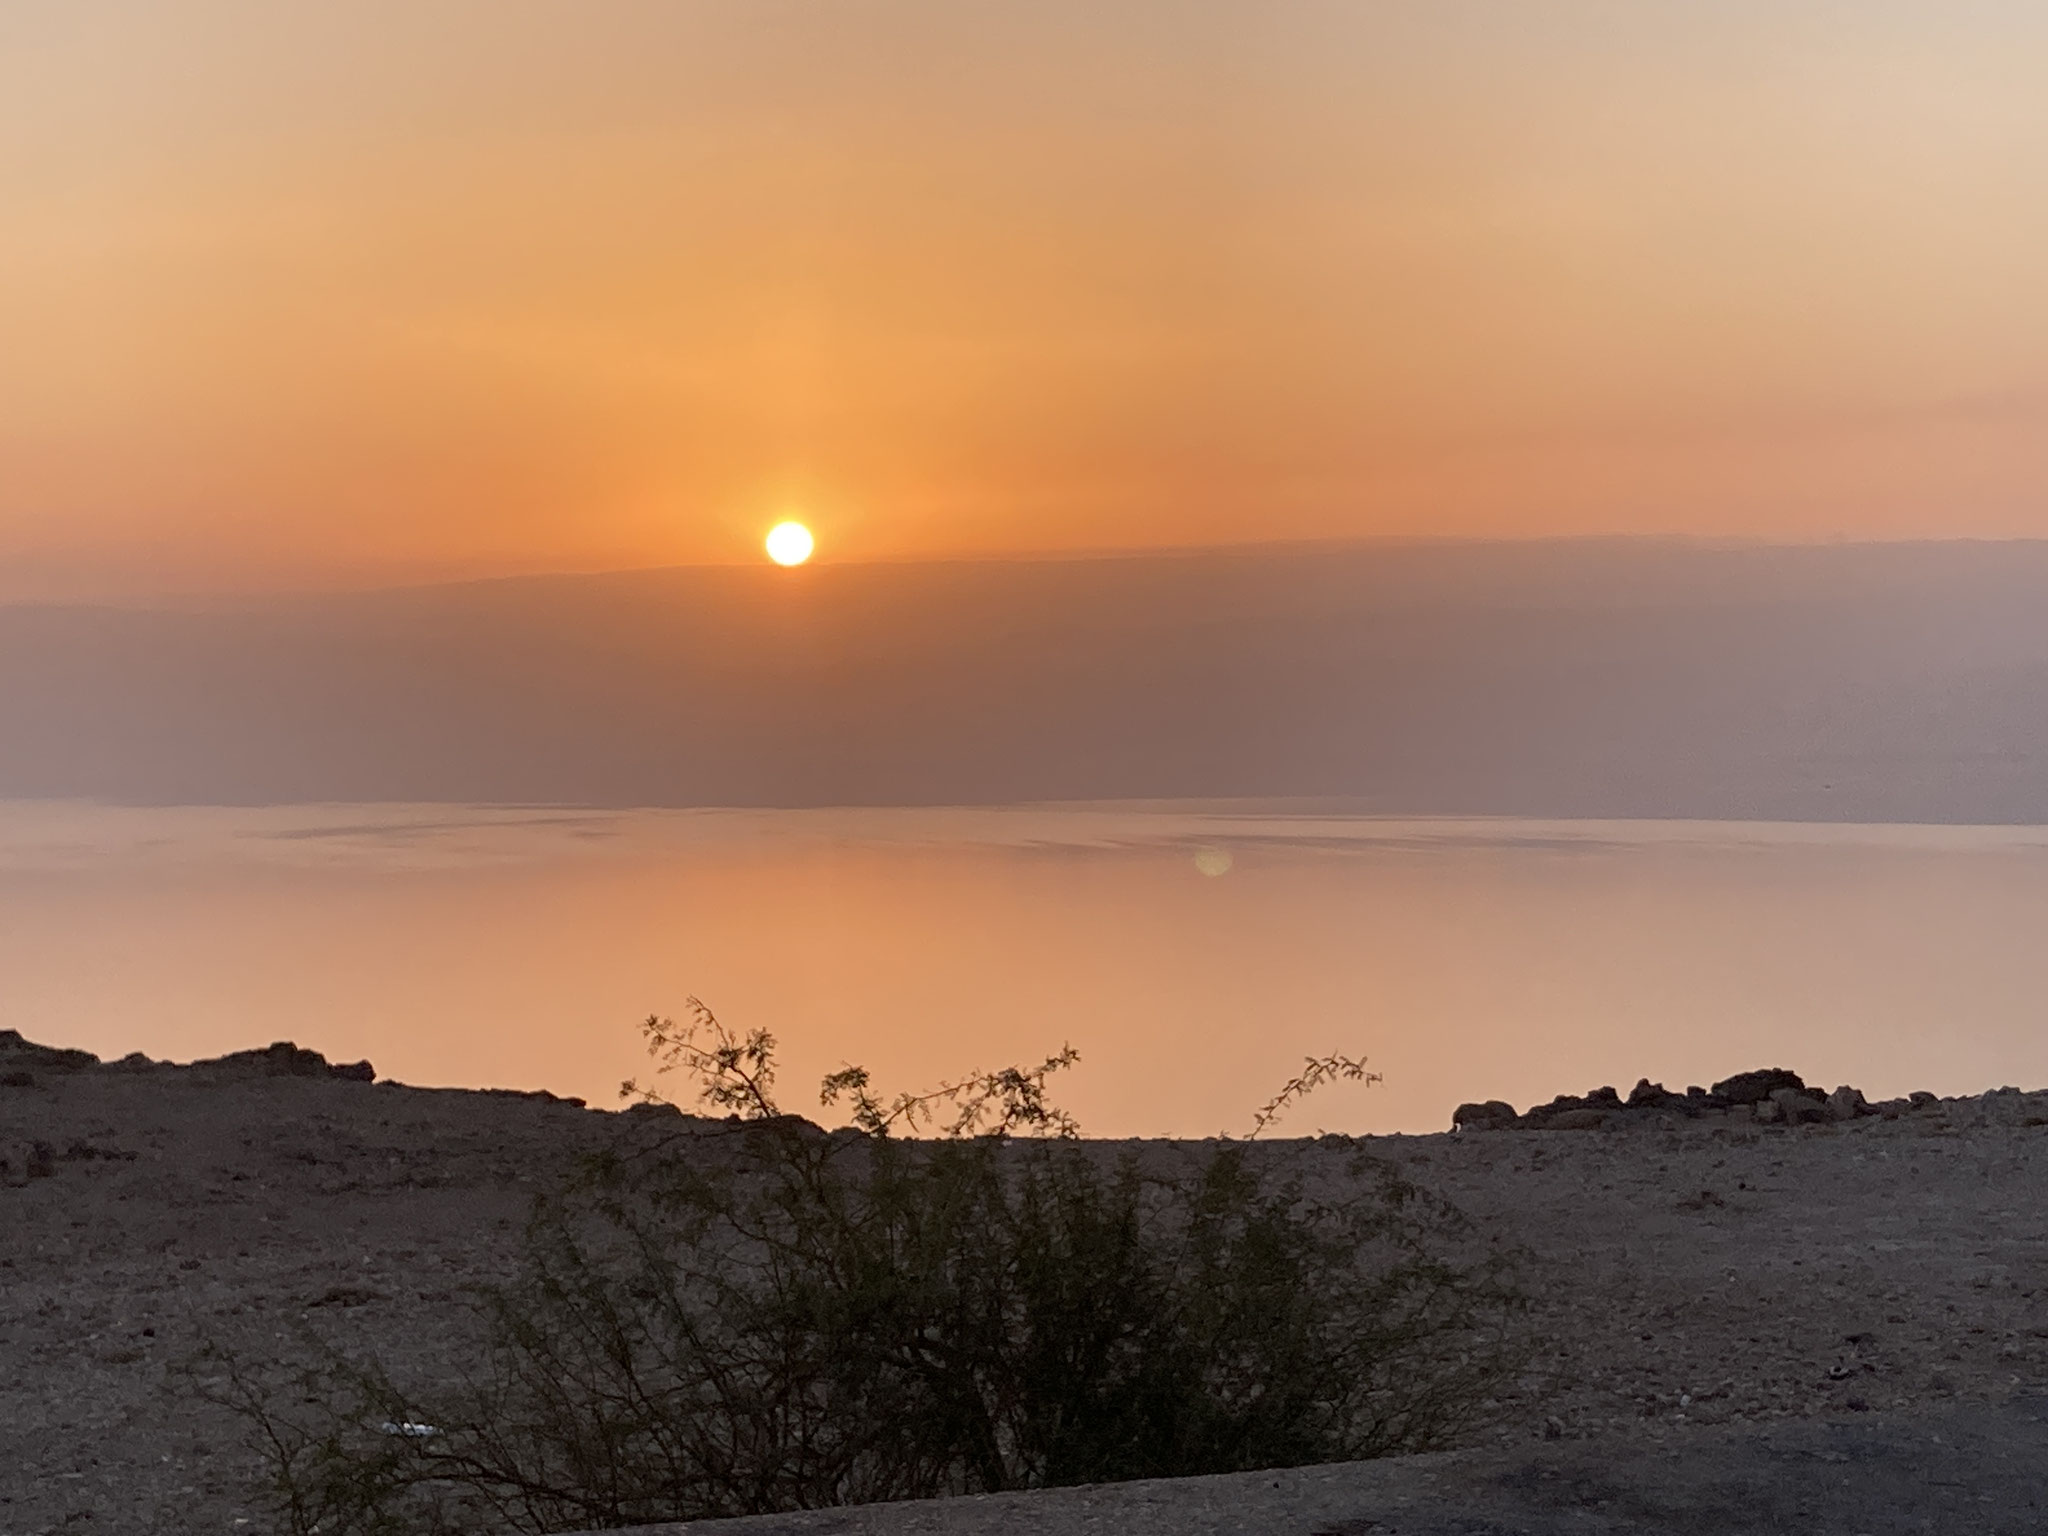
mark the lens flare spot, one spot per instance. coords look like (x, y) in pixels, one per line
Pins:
(1213, 862)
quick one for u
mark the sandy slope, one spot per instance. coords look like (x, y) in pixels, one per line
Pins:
(1691, 1274)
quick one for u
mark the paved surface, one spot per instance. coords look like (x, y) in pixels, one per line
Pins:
(1972, 1470)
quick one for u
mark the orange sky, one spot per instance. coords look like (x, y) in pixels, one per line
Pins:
(400, 289)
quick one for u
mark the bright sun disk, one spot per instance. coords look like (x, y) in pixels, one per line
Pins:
(790, 543)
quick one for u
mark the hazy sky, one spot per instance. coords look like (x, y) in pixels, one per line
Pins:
(305, 293)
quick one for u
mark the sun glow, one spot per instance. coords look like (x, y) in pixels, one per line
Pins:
(790, 544)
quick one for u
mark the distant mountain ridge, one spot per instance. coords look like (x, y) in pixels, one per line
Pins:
(1879, 682)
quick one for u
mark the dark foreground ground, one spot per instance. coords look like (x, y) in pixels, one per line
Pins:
(1980, 1469)
(1746, 1327)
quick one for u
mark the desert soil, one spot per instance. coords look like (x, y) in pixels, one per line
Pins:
(1708, 1291)
(1980, 1468)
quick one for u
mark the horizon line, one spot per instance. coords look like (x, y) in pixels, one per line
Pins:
(1115, 554)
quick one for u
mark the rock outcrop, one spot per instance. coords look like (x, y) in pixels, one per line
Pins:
(1766, 1096)
(1756, 1087)
(1493, 1114)
(284, 1059)
(21, 1059)
(19, 1055)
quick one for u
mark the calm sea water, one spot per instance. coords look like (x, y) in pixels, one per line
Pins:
(1193, 954)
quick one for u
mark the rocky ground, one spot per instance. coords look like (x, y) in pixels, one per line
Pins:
(1704, 1277)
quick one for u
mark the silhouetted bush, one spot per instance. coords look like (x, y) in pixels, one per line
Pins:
(766, 1316)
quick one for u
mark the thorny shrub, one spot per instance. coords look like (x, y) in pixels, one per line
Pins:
(760, 1315)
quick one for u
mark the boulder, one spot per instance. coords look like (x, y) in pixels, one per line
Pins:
(1493, 1115)
(1755, 1087)
(1798, 1107)
(1847, 1103)
(1649, 1095)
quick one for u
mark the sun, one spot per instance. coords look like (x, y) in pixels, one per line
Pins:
(790, 544)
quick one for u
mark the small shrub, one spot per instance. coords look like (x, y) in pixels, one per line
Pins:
(771, 1317)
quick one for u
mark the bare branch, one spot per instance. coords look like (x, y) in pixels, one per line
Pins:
(1315, 1072)
(735, 1075)
(999, 1103)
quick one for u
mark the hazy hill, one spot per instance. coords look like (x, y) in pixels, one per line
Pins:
(1624, 678)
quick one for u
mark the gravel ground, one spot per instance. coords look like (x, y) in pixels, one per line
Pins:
(1698, 1282)
(1976, 1468)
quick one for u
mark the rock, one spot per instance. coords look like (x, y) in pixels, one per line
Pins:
(42, 1161)
(1576, 1120)
(653, 1107)
(284, 1059)
(1649, 1095)
(1799, 1107)
(281, 1058)
(1847, 1103)
(1755, 1087)
(1493, 1115)
(1603, 1098)
(1766, 1111)
(17, 1052)
(17, 1079)
(1922, 1099)
(1540, 1115)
